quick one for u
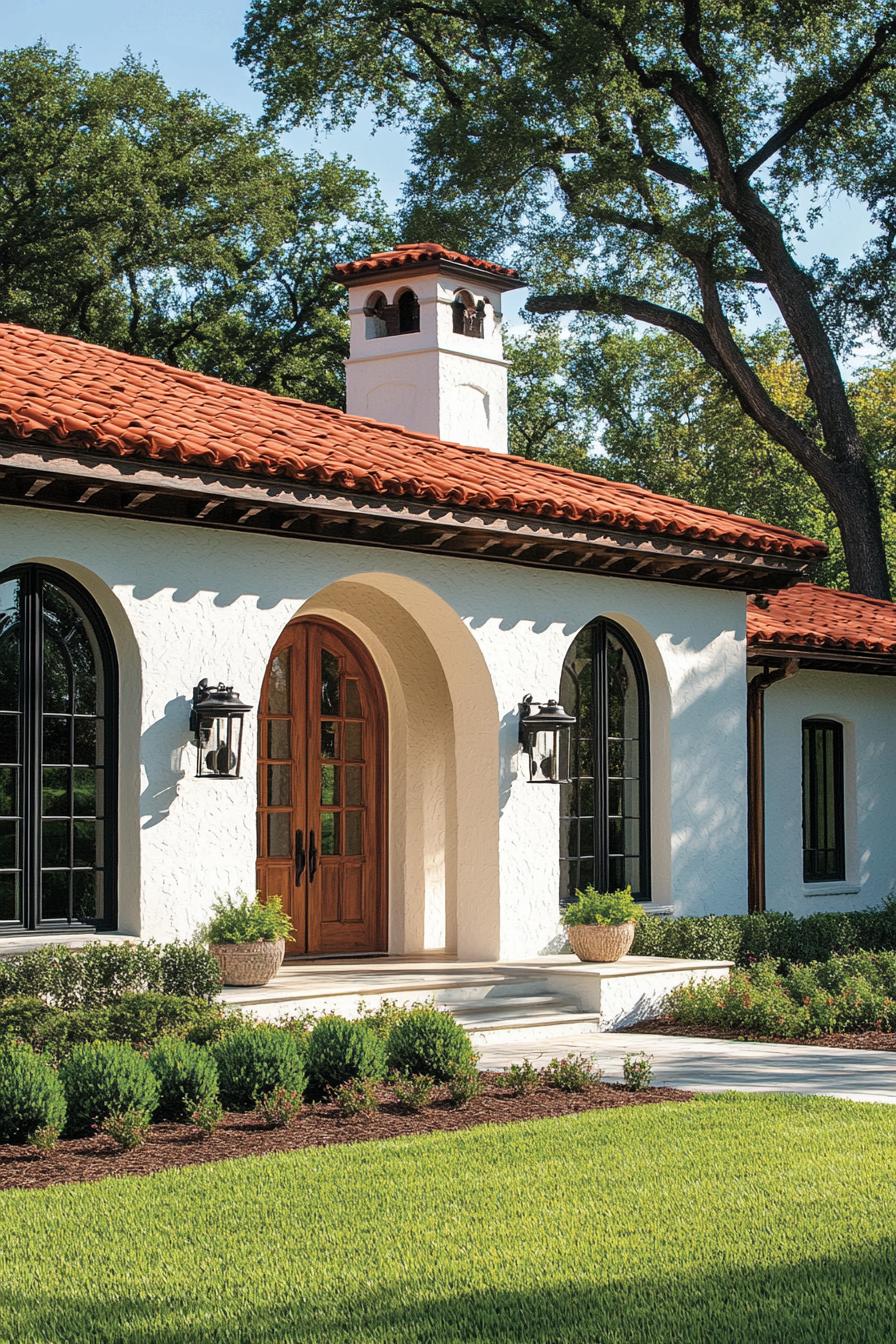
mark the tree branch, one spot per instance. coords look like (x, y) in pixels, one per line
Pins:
(838, 93)
(748, 388)
(693, 45)
(612, 303)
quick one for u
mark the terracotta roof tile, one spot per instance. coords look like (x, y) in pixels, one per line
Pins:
(415, 254)
(812, 618)
(71, 394)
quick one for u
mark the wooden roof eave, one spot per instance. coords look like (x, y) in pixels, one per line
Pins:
(48, 477)
(815, 658)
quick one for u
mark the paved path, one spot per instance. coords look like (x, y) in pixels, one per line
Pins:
(716, 1066)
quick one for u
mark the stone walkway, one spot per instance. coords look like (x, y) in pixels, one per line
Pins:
(708, 1065)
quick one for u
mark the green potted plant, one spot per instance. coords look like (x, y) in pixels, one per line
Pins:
(601, 924)
(247, 937)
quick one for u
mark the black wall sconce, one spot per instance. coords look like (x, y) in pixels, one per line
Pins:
(216, 722)
(544, 735)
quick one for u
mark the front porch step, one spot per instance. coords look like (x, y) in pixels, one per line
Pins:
(544, 996)
(483, 1014)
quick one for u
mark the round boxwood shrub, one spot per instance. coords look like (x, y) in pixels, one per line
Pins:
(103, 1078)
(187, 1077)
(255, 1060)
(31, 1094)
(140, 1019)
(339, 1051)
(429, 1041)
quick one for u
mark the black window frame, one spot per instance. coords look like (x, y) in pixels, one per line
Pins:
(599, 630)
(31, 709)
(815, 806)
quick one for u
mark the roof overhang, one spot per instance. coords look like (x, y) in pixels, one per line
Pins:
(473, 275)
(824, 659)
(45, 477)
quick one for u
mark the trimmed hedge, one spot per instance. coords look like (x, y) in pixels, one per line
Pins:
(134, 1019)
(101, 973)
(856, 992)
(747, 939)
(340, 1051)
(187, 1076)
(103, 1079)
(430, 1041)
(256, 1060)
(31, 1094)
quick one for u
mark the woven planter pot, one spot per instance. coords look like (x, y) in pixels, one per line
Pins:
(601, 942)
(248, 963)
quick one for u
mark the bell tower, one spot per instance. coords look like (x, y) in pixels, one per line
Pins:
(426, 348)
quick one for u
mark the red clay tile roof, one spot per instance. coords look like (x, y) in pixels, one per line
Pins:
(415, 254)
(64, 392)
(812, 618)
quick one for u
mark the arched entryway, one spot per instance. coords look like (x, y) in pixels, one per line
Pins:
(322, 823)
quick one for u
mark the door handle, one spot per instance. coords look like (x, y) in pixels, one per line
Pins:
(312, 856)
(300, 855)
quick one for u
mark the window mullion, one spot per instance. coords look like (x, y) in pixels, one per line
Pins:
(32, 688)
(601, 759)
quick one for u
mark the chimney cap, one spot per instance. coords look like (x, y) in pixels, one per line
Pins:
(425, 257)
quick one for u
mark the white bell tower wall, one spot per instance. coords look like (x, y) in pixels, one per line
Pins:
(447, 377)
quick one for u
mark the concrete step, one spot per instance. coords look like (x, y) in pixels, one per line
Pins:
(297, 993)
(547, 1030)
(515, 1008)
(540, 1017)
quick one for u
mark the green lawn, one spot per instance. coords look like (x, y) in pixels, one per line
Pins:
(757, 1219)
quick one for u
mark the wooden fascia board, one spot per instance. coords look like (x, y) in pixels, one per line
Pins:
(498, 534)
(814, 659)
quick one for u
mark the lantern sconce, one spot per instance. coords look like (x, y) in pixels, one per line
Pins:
(216, 722)
(544, 735)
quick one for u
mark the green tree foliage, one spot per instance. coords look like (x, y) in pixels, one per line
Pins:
(654, 160)
(162, 224)
(552, 417)
(647, 408)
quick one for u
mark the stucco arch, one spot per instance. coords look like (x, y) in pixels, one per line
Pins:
(443, 761)
(130, 689)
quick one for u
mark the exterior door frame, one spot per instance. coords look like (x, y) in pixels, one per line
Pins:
(306, 716)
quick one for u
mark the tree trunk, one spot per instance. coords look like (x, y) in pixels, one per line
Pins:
(850, 491)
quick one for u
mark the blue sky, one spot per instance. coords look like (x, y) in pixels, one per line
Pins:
(191, 41)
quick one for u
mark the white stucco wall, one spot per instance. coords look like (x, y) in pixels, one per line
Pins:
(459, 643)
(866, 706)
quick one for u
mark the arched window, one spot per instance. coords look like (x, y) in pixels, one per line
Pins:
(605, 810)
(408, 312)
(377, 312)
(58, 693)
(824, 846)
(468, 316)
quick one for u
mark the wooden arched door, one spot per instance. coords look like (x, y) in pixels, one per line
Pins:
(322, 790)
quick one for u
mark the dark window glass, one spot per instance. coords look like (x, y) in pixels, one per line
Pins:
(408, 312)
(57, 698)
(824, 851)
(604, 809)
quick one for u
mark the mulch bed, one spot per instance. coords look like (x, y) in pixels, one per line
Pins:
(241, 1135)
(838, 1040)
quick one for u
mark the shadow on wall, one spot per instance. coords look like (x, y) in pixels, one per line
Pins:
(509, 755)
(165, 751)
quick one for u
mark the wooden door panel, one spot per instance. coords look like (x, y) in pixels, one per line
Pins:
(351, 903)
(322, 773)
(281, 780)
